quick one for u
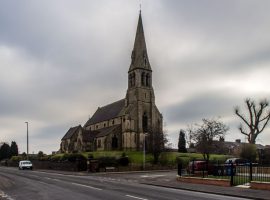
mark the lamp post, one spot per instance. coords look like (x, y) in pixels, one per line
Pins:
(27, 139)
(144, 135)
(143, 151)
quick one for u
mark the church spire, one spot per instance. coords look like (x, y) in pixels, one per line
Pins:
(139, 57)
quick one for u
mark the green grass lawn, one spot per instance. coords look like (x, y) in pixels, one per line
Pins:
(166, 158)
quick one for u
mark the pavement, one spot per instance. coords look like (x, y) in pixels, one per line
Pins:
(168, 179)
(228, 191)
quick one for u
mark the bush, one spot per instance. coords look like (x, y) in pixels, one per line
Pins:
(248, 151)
(107, 162)
(264, 156)
(45, 158)
(72, 157)
(123, 161)
(183, 160)
(164, 159)
(56, 158)
(16, 158)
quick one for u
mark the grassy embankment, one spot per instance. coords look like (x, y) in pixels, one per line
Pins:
(166, 158)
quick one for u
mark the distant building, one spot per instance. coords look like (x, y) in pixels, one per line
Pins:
(231, 148)
(122, 125)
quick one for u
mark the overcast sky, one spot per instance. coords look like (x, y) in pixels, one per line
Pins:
(60, 60)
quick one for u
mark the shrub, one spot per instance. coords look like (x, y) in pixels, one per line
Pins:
(183, 160)
(123, 161)
(164, 159)
(72, 157)
(45, 158)
(16, 158)
(107, 161)
(56, 158)
(248, 151)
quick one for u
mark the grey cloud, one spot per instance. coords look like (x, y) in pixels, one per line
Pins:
(74, 57)
(204, 105)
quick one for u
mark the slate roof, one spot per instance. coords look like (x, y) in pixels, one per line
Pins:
(70, 132)
(89, 136)
(106, 112)
(106, 131)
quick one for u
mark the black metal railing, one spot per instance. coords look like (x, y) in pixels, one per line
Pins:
(237, 174)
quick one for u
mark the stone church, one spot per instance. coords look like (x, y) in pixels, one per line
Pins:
(128, 124)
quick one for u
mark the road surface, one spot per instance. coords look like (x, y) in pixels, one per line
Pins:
(24, 185)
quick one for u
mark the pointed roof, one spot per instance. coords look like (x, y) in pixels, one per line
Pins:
(139, 57)
(71, 132)
(106, 112)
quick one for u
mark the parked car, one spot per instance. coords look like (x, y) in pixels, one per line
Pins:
(25, 164)
(237, 161)
(200, 165)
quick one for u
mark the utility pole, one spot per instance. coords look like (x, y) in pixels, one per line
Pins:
(144, 151)
(27, 139)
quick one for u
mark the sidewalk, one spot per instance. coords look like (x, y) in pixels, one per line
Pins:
(228, 191)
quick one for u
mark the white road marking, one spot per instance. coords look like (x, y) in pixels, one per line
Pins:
(54, 179)
(149, 176)
(87, 186)
(134, 197)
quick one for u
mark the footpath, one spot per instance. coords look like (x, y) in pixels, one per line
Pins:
(171, 182)
(227, 191)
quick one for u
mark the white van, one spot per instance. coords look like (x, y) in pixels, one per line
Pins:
(25, 164)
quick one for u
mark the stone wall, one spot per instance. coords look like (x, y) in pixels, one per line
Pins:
(260, 185)
(208, 181)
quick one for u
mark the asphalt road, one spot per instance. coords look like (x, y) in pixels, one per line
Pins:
(24, 184)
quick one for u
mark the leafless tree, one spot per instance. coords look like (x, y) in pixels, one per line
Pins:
(204, 134)
(256, 120)
(157, 141)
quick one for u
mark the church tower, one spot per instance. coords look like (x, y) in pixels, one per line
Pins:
(131, 123)
(140, 98)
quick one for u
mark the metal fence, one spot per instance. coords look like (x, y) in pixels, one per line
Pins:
(238, 174)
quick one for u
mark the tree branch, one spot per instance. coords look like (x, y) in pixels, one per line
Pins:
(242, 131)
(239, 115)
(259, 131)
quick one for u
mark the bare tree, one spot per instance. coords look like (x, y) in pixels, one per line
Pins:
(256, 120)
(204, 134)
(157, 142)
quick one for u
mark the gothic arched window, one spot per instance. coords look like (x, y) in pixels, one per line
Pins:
(145, 122)
(143, 79)
(133, 79)
(114, 142)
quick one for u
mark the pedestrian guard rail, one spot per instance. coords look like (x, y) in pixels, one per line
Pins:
(240, 174)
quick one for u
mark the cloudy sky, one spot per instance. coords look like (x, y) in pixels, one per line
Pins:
(60, 60)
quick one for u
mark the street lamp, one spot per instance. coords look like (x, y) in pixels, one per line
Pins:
(27, 139)
(144, 135)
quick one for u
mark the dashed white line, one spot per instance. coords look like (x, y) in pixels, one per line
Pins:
(134, 197)
(152, 176)
(54, 179)
(87, 186)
